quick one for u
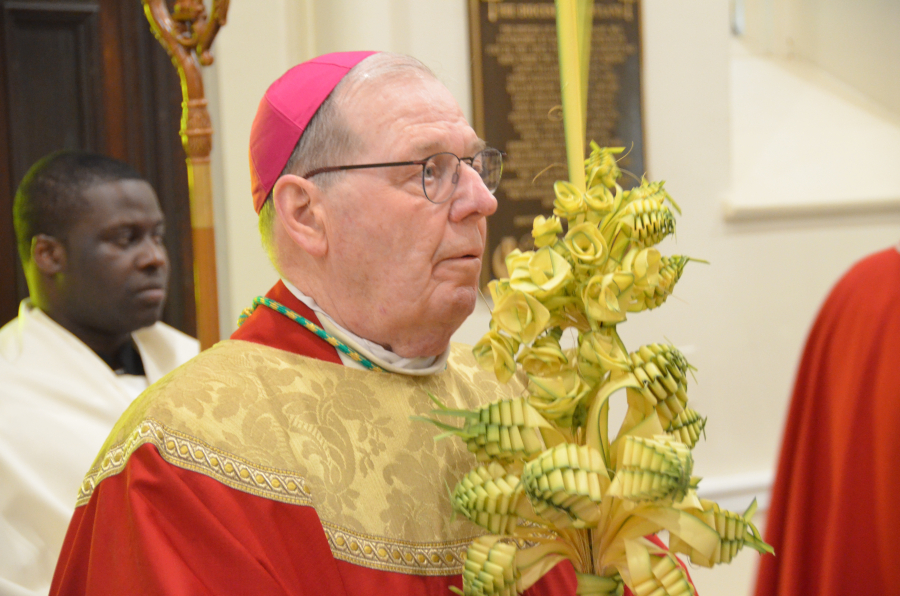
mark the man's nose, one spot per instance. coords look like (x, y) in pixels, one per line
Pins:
(471, 196)
(152, 254)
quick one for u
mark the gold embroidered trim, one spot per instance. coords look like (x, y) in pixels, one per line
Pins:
(359, 549)
(341, 434)
(446, 558)
(190, 454)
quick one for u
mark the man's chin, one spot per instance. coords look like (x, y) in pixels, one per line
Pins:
(460, 309)
(463, 303)
(435, 326)
(146, 316)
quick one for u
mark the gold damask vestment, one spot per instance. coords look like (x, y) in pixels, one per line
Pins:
(307, 432)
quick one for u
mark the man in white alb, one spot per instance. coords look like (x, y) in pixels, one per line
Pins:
(85, 343)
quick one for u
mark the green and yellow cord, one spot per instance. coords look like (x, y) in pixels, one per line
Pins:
(310, 326)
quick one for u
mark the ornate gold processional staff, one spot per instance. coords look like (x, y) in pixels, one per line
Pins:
(187, 34)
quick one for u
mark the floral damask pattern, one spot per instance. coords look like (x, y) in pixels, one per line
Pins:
(375, 477)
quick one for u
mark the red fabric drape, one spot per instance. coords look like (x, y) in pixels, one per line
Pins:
(834, 517)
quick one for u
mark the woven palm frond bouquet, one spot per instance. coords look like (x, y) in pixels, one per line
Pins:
(551, 484)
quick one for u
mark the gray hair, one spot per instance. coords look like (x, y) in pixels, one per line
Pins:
(328, 140)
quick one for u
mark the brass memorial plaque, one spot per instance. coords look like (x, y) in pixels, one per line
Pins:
(517, 104)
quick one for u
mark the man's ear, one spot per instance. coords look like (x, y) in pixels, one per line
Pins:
(298, 203)
(48, 254)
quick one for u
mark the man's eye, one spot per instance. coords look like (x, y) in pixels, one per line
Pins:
(431, 170)
(123, 239)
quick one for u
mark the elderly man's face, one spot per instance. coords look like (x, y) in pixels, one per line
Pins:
(404, 271)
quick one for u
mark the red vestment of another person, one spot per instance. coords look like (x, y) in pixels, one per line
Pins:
(834, 517)
(152, 527)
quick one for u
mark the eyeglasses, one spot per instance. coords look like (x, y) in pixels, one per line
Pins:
(440, 172)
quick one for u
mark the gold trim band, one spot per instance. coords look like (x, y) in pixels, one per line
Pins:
(390, 555)
(359, 549)
(190, 454)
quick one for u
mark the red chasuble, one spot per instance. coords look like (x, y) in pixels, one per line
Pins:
(151, 527)
(834, 517)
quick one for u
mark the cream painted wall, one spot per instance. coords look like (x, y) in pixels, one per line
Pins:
(856, 41)
(251, 51)
(853, 40)
(741, 320)
(435, 32)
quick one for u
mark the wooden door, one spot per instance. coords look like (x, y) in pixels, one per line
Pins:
(88, 74)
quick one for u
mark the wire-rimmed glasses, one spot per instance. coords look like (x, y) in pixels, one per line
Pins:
(440, 172)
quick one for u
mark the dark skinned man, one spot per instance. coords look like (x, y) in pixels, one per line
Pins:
(86, 342)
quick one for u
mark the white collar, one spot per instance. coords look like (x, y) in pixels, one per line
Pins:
(374, 352)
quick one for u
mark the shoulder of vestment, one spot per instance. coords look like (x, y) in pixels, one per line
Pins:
(297, 430)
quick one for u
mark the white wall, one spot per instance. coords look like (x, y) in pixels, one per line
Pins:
(742, 320)
(251, 51)
(854, 40)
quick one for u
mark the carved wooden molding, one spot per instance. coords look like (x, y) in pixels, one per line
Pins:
(188, 33)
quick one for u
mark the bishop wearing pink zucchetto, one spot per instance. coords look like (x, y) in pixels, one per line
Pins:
(284, 460)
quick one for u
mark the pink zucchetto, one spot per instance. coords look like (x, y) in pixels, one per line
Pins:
(285, 111)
